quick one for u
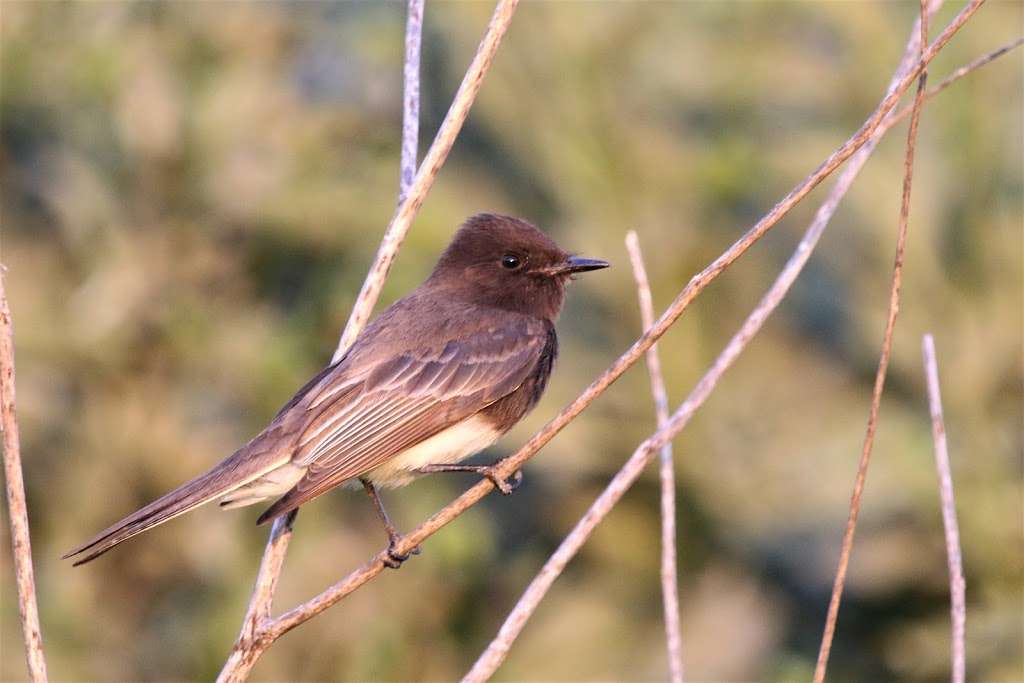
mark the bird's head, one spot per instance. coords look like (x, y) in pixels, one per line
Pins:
(508, 263)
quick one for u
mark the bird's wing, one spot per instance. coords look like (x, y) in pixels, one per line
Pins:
(404, 399)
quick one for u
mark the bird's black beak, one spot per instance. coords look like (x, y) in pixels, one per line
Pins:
(578, 264)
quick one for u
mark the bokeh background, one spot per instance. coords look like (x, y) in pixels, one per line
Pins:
(191, 196)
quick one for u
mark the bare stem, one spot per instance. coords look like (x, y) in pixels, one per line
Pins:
(411, 98)
(250, 643)
(17, 511)
(964, 70)
(977, 63)
(958, 601)
(424, 179)
(666, 471)
(496, 652)
(254, 639)
(489, 661)
(883, 366)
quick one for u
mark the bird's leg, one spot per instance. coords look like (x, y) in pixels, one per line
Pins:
(506, 486)
(396, 559)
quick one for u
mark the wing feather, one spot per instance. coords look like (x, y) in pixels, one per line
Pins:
(374, 423)
(405, 399)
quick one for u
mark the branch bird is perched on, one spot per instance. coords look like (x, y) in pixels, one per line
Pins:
(438, 376)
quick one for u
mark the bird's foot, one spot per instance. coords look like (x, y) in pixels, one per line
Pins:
(394, 558)
(505, 486)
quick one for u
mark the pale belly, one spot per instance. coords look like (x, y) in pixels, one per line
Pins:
(449, 446)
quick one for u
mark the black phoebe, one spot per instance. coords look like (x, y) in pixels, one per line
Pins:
(438, 376)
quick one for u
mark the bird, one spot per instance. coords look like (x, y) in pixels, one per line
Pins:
(438, 376)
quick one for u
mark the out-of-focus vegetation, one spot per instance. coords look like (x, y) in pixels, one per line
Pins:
(192, 193)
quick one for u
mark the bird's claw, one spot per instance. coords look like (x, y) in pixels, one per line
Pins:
(506, 486)
(394, 559)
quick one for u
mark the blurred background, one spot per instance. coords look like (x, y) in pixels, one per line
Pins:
(192, 194)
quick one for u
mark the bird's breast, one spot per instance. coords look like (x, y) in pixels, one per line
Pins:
(454, 444)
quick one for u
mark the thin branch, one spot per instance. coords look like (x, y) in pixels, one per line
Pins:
(958, 601)
(883, 366)
(421, 184)
(262, 597)
(666, 472)
(376, 564)
(251, 641)
(964, 70)
(496, 652)
(254, 639)
(17, 511)
(977, 63)
(411, 98)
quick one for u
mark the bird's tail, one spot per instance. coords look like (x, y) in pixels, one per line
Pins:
(241, 468)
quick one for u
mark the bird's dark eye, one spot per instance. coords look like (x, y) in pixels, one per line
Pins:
(510, 261)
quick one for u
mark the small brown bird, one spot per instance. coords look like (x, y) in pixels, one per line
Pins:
(438, 376)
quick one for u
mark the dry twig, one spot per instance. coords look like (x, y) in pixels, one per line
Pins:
(977, 63)
(256, 635)
(376, 564)
(496, 652)
(410, 98)
(251, 640)
(17, 511)
(950, 80)
(845, 180)
(666, 472)
(883, 366)
(488, 662)
(957, 598)
(421, 184)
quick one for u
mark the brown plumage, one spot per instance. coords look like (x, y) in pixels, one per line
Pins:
(440, 374)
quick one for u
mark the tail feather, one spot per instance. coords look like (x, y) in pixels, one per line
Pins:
(238, 470)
